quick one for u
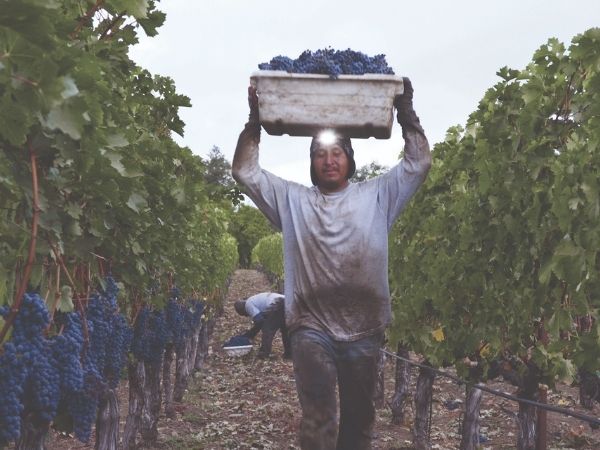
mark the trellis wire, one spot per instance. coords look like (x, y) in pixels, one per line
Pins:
(593, 421)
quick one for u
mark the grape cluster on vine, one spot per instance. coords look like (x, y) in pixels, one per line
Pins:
(42, 377)
(103, 360)
(28, 375)
(149, 335)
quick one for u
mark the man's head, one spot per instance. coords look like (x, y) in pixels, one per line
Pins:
(240, 307)
(331, 161)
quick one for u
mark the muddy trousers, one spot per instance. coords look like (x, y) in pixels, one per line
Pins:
(274, 321)
(319, 364)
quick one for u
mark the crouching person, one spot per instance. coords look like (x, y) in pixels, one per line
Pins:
(267, 313)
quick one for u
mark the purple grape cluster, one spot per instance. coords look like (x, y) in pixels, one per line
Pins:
(174, 315)
(82, 406)
(192, 317)
(330, 62)
(29, 377)
(12, 377)
(103, 361)
(66, 350)
(198, 307)
(48, 376)
(149, 335)
(121, 335)
(111, 290)
(119, 344)
(41, 388)
(99, 317)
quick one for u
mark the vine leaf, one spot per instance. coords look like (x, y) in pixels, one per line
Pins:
(137, 8)
(438, 334)
(66, 299)
(136, 202)
(66, 119)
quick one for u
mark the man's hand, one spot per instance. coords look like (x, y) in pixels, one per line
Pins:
(253, 103)
(258, 321)
(246, 151)
(404, 106)
(259, 318)
(253, 124)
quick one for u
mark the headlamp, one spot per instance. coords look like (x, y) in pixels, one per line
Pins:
(327, 137)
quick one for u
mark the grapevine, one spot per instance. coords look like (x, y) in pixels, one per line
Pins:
(497, 254)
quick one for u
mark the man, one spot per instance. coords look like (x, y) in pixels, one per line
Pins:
(337, 301)
(266, 311)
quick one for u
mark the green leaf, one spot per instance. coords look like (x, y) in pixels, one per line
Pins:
(136, 249)
(137, 8)
(66, 299)
(49, 4)
(155, 20)
(565, 370)
(116, 140)
(137, 202)
(67, 119)
(178, 194)
(115, 162)
(567, 248)
(15, 122)
(74, 228)
(73, 210)
(70, 88)
(561, 320)
(546, 271)
(5, 286)
(37, 273)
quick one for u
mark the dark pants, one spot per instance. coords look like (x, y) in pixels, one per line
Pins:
(319, 364)
(274, 321)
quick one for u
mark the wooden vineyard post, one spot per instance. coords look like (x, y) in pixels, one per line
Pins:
(421, 438)
(152, 402)
(137, 379)
(527, 427)
(380, 387)
(402, 387)
(470, 427)
(107, 422)
(167, 382)
(542, 420)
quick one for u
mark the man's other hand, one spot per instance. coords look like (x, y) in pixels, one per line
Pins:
(404, 105)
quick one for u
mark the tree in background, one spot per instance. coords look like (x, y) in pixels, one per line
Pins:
(218, 177)
(248, 225)
(367, 171)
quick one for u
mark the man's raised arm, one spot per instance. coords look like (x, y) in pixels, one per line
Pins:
(245, 159)
(417, 156)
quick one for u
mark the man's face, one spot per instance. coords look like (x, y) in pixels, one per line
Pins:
(331, 167)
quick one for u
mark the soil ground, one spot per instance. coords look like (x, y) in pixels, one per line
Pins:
(249, 403)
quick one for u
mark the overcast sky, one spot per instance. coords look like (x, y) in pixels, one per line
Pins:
(450, 50)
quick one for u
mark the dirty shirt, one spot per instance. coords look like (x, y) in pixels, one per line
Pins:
(336, 245)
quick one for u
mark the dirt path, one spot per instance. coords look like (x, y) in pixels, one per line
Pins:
(248, 403)
(242, 402)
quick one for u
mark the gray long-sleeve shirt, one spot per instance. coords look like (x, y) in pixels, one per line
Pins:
(259, 303)
(336, 245)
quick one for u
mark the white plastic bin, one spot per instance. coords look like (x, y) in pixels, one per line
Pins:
(358, 106)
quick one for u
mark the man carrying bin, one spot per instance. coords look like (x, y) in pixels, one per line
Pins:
(266, 311)
(337, 300)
